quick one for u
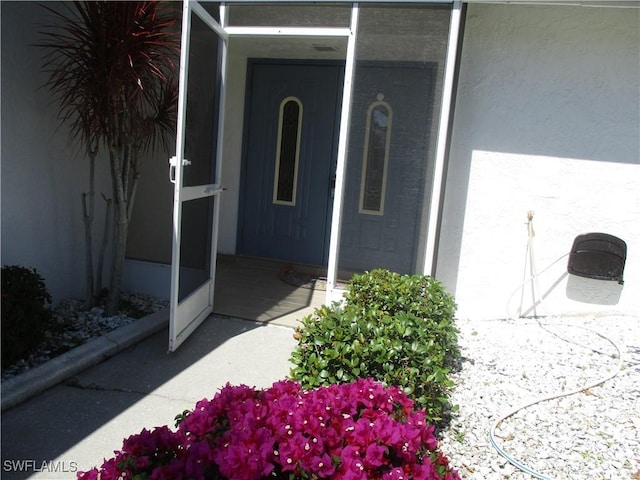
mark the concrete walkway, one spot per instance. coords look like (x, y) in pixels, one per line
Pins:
(75, 424)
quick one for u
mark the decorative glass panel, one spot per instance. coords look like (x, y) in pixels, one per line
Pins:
(288, 152)
(376, 157)
(401, 51)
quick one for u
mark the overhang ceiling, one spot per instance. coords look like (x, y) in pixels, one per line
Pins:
(327, 48)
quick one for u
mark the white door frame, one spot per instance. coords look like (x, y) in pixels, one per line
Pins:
(333, 293)
(444, 125)
(343, 141)
(187, 314)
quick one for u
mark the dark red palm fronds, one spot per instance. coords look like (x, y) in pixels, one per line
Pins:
(109, 66)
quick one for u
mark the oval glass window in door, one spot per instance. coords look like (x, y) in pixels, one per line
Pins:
(285, 182)
(375, 158)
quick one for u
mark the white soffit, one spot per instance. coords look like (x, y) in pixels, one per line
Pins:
(578, 3)
(567, 3)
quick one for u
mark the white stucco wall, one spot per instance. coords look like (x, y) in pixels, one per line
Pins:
(546, 120)
(41, 180)
(232, 156)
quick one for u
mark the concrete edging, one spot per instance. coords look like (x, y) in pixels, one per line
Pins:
(17, 389)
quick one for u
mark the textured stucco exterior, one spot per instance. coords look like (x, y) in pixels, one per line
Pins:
(42, 178)
(546, 120)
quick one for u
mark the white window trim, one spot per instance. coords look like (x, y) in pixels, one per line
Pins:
(365, 158)
(276, 176)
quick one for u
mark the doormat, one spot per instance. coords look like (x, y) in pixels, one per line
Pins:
(305, 280)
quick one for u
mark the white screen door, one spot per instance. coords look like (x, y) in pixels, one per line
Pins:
(195, 169)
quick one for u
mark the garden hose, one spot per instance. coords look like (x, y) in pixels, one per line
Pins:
(517, 463)
(536, 289)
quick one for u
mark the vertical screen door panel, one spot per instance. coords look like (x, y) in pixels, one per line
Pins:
(196, 169)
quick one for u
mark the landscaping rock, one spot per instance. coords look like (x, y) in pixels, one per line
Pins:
(592, 434)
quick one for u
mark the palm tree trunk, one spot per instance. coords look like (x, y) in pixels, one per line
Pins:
(125, 175)
(103, 246)
(117, 154)
(115, 287)
(88, 204)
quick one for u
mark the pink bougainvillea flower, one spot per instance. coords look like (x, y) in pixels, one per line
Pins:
(374, 456)
(357, 431)
(89, 475)
(396, 473)
(321, 466)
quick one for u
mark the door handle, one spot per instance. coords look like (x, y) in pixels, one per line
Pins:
(173, 163)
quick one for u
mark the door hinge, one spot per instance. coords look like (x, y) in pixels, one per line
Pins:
(173, 163)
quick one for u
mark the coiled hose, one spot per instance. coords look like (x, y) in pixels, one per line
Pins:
(538, 299)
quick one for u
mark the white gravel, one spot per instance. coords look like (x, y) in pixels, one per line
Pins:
(72, 326)
(593, 434)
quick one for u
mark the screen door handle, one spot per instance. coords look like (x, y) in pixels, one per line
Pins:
(173, 163)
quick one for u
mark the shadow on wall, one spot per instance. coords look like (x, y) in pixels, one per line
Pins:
(579, 289)
(552, 81)
(546, 119)
(595, 292)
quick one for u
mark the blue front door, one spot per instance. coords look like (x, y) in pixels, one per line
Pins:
(290, 156)
(387, 166)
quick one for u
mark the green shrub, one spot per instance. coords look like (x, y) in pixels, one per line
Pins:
(397, 329)
(418, 295)
(24, 312)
